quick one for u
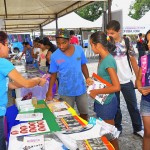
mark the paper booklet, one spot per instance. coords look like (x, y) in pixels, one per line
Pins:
(29, 116)
(99, 83)
(59, 109)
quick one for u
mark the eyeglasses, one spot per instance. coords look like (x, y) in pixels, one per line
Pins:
(4, 43)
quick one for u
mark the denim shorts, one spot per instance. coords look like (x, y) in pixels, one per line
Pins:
(106, 111)
(145, 108)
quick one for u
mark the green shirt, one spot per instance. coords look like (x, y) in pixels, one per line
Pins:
(107, 62)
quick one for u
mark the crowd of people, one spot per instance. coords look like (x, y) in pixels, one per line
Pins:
(66, 63)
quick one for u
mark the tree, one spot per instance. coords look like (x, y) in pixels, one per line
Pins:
(139, 8)
(92, 11)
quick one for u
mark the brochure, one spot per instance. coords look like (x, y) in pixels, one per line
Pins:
(99, 83)
(91, 144)
(70, 125)
(29, 116)
(59, 109)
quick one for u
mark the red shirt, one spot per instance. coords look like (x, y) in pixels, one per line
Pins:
(74, 40)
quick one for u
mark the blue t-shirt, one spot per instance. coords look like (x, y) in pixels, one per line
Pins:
(5, 68)
(69, 69)
(147, 78)
(29, 56)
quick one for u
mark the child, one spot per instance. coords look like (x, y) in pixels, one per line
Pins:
(107, 69)
(42, 57)
(28, 53)
(145, 99)
(70, 63)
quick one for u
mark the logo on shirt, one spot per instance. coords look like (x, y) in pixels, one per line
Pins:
(59, 61)
(78, 58)
(42, 56)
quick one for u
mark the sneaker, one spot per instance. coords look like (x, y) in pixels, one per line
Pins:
(139, 133)
(118, 133)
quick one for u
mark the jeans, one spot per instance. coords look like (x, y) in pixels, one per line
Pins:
(2, 138)
(128, 92)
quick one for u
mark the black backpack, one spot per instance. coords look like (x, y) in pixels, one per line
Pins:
(127, 43)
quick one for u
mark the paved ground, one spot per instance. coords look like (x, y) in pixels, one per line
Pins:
(127, 141)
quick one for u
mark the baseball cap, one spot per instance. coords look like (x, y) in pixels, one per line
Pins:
(62, 33)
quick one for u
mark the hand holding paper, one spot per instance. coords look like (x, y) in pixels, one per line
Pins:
(98, 83)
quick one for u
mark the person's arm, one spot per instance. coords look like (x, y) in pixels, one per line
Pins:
(110, 89)
(48, 56)
(85, 71)
(19, 81)
(134, 65)
(49, 94)
(139, 84)
(24, 51)
(32, 53)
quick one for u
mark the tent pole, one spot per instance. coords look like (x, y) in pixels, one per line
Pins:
(56, 18)
(41, 31)
(104, 18)
(80, 30)
(109, 10)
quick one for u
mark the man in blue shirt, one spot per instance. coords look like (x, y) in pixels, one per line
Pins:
(69, 62)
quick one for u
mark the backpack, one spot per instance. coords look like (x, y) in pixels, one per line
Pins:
(144, 64)
(127, 43)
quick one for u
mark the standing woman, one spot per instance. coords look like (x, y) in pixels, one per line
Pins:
(145, 99)
(107, 69)
(8, 71)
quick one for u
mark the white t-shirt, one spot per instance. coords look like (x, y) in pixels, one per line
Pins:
(123, 69)
(42, 56)
(35, 50)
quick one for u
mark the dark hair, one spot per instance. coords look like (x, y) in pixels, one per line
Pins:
(146, 40)
(40, 41)
(101, 37)
(140, 34)
(26, 43)
(23, 43)
(72, 32)
(50, 44)
(37, 39)
(114, 25)
(3, 37)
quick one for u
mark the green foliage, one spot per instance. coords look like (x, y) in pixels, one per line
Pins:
(91, 12)
(139, 8)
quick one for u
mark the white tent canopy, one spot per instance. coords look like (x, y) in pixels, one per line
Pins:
(128, 21)
(132, 26)
(98, 22)
(31, 15)
(71, 20)
(145, 19)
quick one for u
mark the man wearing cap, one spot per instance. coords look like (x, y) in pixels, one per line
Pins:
(69, 62)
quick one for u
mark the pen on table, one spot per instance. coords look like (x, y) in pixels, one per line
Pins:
(65, 123)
